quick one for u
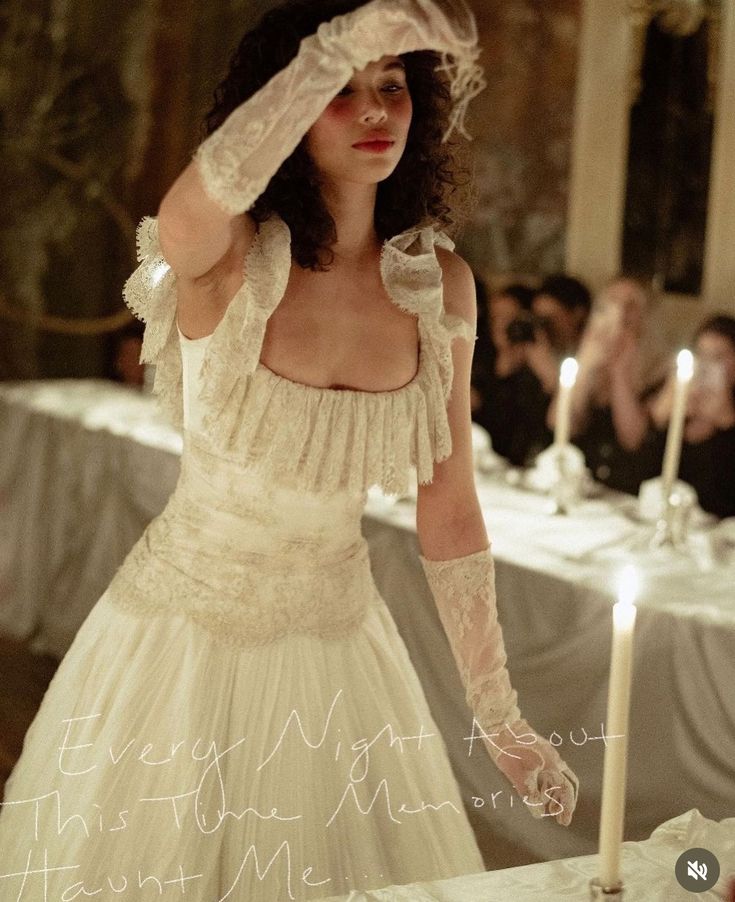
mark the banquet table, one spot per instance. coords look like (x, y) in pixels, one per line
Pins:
(86, 464)
(647, 868)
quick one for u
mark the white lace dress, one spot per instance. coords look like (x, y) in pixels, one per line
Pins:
(238, 716)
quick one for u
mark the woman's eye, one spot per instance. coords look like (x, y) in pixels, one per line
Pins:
(398, 88)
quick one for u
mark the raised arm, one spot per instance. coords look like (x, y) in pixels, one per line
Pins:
(233, 166)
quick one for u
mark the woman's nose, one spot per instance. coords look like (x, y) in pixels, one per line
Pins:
(374, 108)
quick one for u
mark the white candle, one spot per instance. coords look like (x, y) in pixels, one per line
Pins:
(612, 813)
(675, 433)
(567, 378)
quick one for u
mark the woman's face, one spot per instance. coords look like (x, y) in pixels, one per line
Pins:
(715, 358)
(374, 104)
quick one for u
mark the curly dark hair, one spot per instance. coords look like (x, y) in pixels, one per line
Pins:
(720, 324)
(570, 292)
(424, 188)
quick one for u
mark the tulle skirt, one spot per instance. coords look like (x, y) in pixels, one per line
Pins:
(165, 764)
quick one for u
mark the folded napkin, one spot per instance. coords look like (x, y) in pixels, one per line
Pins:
(545, 472)
(693, 831)
(651, 501)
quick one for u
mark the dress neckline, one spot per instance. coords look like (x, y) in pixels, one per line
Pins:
(315, 438)
(277, 378)
(304, 386)
(307, 387)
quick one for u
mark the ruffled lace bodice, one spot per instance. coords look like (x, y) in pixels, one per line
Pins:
(305, 437)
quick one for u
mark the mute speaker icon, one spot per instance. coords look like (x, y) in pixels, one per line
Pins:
(696, 870)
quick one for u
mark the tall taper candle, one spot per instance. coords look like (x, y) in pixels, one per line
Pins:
(567, 378)
(612, 814)
(675, 433)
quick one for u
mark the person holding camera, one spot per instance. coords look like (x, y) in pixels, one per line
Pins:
(561, 307)
(620, 367)
(514, 373)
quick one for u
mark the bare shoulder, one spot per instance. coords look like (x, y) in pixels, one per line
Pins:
(451, 498)
(460, 295)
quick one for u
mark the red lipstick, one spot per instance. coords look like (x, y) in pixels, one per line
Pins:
(374, 146)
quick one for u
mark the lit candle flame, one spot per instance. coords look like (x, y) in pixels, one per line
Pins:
(628, 585)
(684, 365)
(568, 374)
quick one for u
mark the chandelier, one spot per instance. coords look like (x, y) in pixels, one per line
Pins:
(678, 17)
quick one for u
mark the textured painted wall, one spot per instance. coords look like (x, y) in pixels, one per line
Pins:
(522, 127)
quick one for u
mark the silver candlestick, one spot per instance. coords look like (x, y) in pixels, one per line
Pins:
(600, 893)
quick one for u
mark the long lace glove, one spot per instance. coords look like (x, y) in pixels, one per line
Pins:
(238, 159)
(464, 592)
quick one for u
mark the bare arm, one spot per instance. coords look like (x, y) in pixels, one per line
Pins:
(629, 415)
(194, 231)
(449, 518)
(233, 166)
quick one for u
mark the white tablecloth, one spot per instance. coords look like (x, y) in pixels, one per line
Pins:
(557, 625)
(85, 465)
(647, 872)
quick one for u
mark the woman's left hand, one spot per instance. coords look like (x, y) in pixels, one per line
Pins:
(536, 770)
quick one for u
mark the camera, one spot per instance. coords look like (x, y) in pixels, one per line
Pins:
(522, 329)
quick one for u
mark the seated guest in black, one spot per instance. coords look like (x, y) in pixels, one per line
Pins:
(562, 304)
(513, 374)
(708, 452)
(621, 365)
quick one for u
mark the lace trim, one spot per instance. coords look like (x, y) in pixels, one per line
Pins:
(244, 601)
(464, 592)
(238, 160)
(150, 294)
(322, 440)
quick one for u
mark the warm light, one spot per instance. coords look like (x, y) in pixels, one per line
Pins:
(568, 374)
(628, 584)
(684, 365)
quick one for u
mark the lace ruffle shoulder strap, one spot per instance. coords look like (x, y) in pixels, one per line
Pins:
(412, 275)
(150, 294)
(234, 347)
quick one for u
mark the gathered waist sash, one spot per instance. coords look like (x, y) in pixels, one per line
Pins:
(245, 597)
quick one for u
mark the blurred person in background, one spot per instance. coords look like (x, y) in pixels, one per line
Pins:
(621, 366)
(708, 451)
(513, 374)
(562, 305)
(128, 342)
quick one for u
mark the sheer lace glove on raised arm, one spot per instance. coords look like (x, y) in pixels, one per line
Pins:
(464, 592)
(238, 159)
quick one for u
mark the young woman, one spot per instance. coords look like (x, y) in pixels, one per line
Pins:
(621, 365)
(708, 452)
(238, 714)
